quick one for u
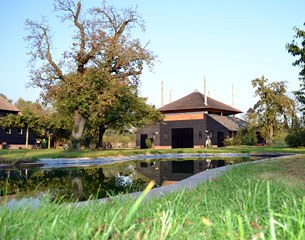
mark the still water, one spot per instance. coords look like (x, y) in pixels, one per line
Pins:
(83, 183)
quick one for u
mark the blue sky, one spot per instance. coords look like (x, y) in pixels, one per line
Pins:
(228, 42)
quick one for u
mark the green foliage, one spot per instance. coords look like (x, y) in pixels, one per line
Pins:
(41, 120)
(229, 141)
(148, 142)
(296, 138)
(274, 110)
(297, 49)
(243, 137)
(280, 136)
(116, 137)
(248, 137)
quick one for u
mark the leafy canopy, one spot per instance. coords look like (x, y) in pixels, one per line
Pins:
(96, 80)
(274, 110)
(297, 49)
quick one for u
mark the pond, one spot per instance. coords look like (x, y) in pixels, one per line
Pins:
(69, 183)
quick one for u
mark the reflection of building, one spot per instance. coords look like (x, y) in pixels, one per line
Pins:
(189, 121)
(167, 172)
(13, 138)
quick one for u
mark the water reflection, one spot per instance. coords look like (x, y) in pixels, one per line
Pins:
(169, 172)
(78, 184)
(69, 184)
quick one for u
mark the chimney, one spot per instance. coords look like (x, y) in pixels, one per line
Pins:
(205, 92)
(162, 97)
(233, 95)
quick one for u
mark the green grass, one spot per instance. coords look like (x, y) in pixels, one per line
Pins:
(60, 153)
(261, 201)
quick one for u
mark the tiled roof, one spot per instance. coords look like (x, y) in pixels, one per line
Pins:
(231, 123)
(195, 102)
(7, 106)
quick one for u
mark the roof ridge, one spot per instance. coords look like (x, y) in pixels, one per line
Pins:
(7, 106)
(195, 100)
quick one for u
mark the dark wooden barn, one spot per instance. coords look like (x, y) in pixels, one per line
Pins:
(193, 121)
(13, 138)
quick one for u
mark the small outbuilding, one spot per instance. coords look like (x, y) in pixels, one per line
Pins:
(193, 121)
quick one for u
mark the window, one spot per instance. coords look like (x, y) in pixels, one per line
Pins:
(20, 131)
(8, 131)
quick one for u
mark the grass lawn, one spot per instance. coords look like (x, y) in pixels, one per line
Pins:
(15, 155)
(254, 201)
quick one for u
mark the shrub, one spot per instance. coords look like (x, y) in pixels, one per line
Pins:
(249, 137)
(229, 141)
(279, 137)
(148, 142)
(296, 138)
(243, 137)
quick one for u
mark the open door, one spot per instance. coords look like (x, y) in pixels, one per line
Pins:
(182, 138)
(142, 141)
(220, 139)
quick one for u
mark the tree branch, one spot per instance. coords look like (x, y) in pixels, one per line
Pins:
(49, 55)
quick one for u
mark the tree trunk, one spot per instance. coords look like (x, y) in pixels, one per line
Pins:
(101, 174)
(270, 134)
(100, 137)
(49, 140)
(27, 138)
(78, 129)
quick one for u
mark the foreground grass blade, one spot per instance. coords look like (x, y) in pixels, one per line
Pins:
(138, 202)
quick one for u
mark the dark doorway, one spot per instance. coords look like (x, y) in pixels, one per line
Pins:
(182, 138)
(220, 139)
(143, 143)
(183, 166)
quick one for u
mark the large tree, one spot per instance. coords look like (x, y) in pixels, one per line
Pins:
(117, 107)
(128, 111)
(274, 110)
(103, 55)
(297, 49)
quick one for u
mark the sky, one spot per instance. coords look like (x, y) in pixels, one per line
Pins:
(229, 43)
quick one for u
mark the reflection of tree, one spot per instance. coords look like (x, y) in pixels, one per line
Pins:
(91, 182)
(69, 184)
(101, 174)
(78, 189)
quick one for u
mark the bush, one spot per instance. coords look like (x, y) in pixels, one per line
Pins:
(296, 138)
(148, 142)
(229, 141)
(243, 137)
(248, 137)
(279, 137)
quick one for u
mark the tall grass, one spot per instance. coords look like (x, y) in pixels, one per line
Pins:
(242, 204)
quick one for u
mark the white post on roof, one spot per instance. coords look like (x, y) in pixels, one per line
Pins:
(233, 95)
(205, 92)
(162, 96)
(170, 95)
